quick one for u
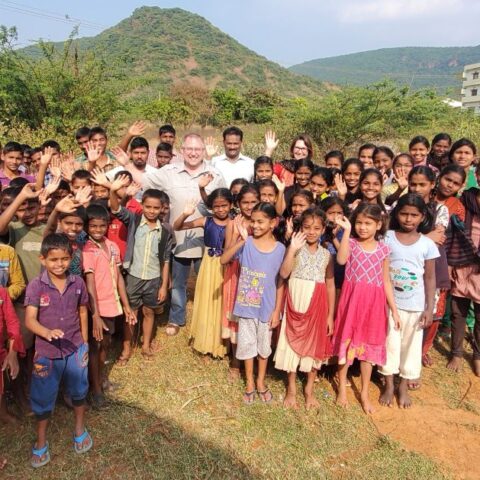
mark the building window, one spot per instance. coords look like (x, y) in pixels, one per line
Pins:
(475, 75)
(474, 92)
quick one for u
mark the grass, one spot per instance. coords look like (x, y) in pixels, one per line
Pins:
(178, 418)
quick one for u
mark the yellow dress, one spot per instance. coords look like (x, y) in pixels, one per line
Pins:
(206, 327)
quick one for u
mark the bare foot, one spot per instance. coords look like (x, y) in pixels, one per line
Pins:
(404, 400)
(290, 401)
(476, 367)
(386, 399)
(366, 405)
(454, 364)
(342, 400)
(311, 402)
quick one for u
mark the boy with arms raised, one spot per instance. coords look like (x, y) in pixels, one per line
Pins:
(147, 261)
(57, 313)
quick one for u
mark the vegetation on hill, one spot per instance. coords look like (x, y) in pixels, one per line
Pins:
(417, 67)
(156, 48)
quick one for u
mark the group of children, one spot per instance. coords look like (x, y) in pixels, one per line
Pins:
(357, 260)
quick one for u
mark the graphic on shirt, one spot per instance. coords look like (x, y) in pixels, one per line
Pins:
(44, 300)
(403, 279)
(250, 288)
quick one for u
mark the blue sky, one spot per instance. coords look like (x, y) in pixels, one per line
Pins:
(286, 31)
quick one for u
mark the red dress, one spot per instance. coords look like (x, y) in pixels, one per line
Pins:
(361, 322)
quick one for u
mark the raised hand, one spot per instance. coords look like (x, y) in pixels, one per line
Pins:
(28, 192)
(84, 195)
(93, 153)
(289, 225)
(401, 177)
(121, 156)
(271, 142)
(137, 129)
(120, 182)
(67, 204)
(133, 189)
(211, 148)
(344, 223)
(46, 157)
(190, 207)
(205, 179)
(52, 186)
(242, 231)
(99, 177)
(280, 185)
(340, 185)
(298, 241)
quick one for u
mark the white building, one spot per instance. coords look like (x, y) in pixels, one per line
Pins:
(471, 87)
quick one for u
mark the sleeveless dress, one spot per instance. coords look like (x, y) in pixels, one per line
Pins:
(361, 320)
(206, 327)
(303, 341)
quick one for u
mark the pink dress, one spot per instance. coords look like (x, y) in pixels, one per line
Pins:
(361, 322)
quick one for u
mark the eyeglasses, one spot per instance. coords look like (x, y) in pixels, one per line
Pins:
(301, 149)
(193, 149)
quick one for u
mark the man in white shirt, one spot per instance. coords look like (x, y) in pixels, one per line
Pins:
(232, 164)
(180, 181)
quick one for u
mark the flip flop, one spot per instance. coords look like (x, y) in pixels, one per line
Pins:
(40, 452)
(266, 396)
(79, 441)
(249, 397)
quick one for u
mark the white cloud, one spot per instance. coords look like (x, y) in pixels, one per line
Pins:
(359, 11)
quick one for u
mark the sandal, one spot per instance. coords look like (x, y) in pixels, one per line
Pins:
(80, 441)
(39, 453)
(171, 330)
(249, 397)
(266, 396)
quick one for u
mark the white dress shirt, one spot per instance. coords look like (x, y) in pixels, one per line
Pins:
(242, 167)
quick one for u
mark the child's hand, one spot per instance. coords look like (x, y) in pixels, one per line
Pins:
(52, 187)
(401, 178)
(329, 325)
(426, 319)
(137, 129)
(121, 157)
(67, 204)
(396, 321)
(93, 153)
(130, 317)
(120, 182)
(242, 231)
(190, 207)
(205, 179)
(274, 320)
(54, 334)
(211, 148)
(162, 293)
(280, 185)
(28, 192)
(298, 241)
(437, 235)
(344, 223)
(84, 195)
(98, 327)
(99, 177)
(133, 189)
(340, 185)
(11, 364)
(43, 198)
(46, 157)
(355, 204)
(271, 142)
(289, 227)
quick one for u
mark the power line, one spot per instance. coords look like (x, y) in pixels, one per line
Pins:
(35, 12)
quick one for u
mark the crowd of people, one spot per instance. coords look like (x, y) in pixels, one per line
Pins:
(358, 260)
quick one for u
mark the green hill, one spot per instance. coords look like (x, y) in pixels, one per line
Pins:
(156, 48)
(416, 66)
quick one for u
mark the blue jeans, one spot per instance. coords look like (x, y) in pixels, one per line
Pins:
(180, 272)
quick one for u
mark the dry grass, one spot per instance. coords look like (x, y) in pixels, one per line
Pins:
(178, 418)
